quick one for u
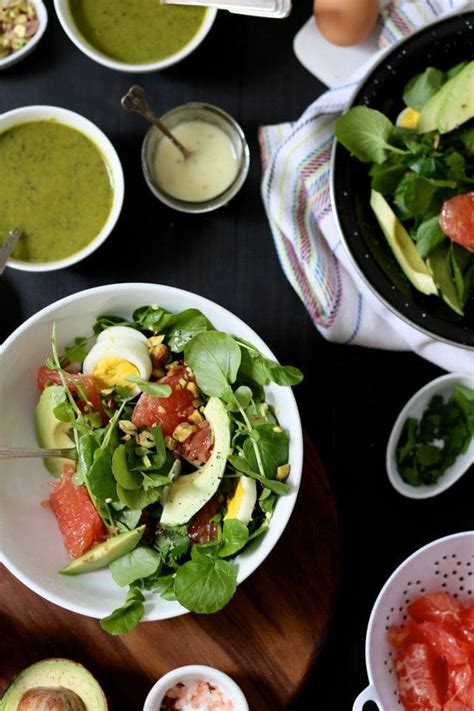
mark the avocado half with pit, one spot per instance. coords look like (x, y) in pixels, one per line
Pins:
(66, 684)
(190, 492)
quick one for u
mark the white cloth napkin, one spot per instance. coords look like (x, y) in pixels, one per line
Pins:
(295, 192)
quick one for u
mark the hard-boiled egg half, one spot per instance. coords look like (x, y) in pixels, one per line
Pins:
(408, 118)
(242, 503)
(119, 352)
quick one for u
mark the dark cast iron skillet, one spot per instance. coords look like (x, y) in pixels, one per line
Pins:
(441, 45)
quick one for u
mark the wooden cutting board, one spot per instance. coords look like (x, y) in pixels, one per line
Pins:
(267, 638)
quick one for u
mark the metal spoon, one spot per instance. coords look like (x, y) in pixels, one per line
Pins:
(68, 453)
(256, 8)
(415, 407)
(7, 248)
(135, 100)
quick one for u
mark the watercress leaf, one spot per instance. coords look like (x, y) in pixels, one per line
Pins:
(125, 618)
(267, 501)
(149, 318)
(422, 87)
(87, 445)
(173, 545)
(183, 326)
(76, 353)
(425, 166)
(64, 411)
(152, 480)
(155, 389)
(139, 499)
(126, 519)
(365, 133)
(428, 236)
(455, 70)
(456, 165)
(273, 445)
(417, 196)
(253, 367)
(242, 398)
(277, 487)
(285, 374)
(465, 398)
(160, 456)
(205, 584)
(101, 480)
(241, 464)
(164, 586)
(139, 563)
(215, 359)
(467, 137)
(124, 476)
(235, 535)
(107, 321)
(386, 177)
(458, 257)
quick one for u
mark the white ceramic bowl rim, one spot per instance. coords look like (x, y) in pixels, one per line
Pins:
(456, 470)
(19, 54)
(252, 559)
(195, 671)
(110, 157)
(81, 43)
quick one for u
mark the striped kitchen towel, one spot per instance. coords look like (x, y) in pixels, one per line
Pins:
(295, 190)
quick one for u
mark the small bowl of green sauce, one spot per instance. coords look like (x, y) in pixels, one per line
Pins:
(61, 183)
(134, 35)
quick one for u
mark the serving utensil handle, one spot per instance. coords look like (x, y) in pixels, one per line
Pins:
(8, 453)
(256, 8)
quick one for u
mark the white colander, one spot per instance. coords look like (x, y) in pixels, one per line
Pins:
(444, 565)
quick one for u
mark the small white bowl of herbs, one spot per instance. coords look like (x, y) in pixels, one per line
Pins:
(432, 442)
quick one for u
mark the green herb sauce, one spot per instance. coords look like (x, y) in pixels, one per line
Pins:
(136, 31)
(55, 186)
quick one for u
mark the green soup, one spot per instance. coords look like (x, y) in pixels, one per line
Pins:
(136, 31)
(55, 186)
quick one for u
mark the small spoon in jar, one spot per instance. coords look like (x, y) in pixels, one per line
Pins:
(5, 251)
(135, 100)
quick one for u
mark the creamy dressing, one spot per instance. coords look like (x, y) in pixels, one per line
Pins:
(210, 169)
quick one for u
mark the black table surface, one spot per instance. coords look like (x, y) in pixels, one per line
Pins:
(350, 395)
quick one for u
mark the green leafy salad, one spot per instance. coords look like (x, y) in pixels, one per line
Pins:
(175, 460)
(422, 179)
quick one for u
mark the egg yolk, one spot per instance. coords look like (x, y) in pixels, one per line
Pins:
(234, 504)
(114, 371)
(408, 118)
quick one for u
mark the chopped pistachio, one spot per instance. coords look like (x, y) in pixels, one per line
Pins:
(146, 461)
(18, 23)
(195, 417)
(170, 443)
(155, 341)
(277, 429)
(193, 389)
(145, 439)
(127, 426)
(282, 472)
(183, 431)
(158, 372)
(161, 409)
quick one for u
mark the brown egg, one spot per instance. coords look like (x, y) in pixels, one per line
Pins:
(346, 22)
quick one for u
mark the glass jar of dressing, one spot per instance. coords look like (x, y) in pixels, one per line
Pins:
(213, 173)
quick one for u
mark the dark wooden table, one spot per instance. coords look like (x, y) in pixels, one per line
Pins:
(350, 396)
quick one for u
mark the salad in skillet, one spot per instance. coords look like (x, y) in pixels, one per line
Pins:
(422, 179)
(178, 460)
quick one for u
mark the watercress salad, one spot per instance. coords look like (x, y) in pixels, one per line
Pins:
(179, 461)
(422, 179)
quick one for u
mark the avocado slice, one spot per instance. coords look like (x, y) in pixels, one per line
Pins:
(402, 245)
(437, 262)
(451, 106)
(51, 433)
(104, 553)
(60, 674)
(188, 494)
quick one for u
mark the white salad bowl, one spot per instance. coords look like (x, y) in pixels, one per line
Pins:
(31, 543)
(63, 12)
(14, 57)
(26, 114)
(415, 407)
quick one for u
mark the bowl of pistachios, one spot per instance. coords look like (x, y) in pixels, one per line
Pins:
(22, 25)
